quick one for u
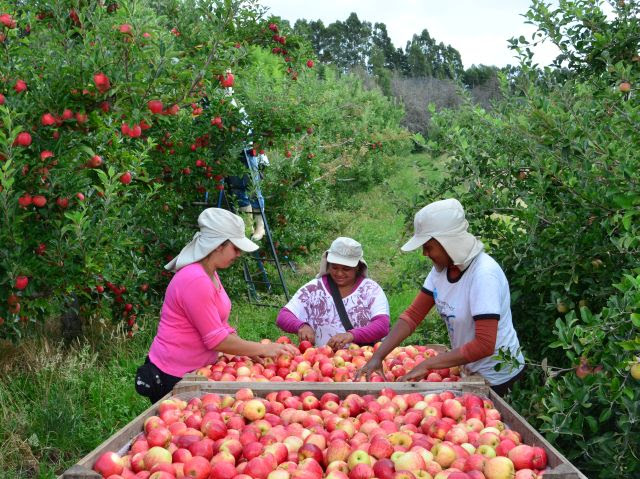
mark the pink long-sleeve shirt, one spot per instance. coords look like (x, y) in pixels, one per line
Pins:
(193, 321)
(366, 306)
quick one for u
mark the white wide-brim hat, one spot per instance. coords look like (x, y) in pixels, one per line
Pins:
(344, 251)
(216, 226)
(445, 221)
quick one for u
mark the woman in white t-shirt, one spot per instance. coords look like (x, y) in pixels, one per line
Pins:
(312, 312)
(470, 292)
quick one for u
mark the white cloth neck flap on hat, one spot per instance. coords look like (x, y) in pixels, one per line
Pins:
(445, 221)
(216, 226)
(344, 251)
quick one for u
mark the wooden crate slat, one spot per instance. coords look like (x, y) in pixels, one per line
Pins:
(477, 386)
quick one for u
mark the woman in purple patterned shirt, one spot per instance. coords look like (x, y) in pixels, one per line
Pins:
(312, 313)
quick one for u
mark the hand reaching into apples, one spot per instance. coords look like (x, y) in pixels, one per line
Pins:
(306, 333)
(340, 340)
(373, 366)
(416, 374)
(273, 350)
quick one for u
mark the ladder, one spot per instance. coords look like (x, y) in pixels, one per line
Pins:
(255, 280)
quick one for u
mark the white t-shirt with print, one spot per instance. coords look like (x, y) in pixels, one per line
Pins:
(313, 304)
(481, 291)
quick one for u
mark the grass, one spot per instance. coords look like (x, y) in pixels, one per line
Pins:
(59, 402)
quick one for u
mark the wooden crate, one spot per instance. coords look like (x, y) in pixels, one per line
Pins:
(120, 442)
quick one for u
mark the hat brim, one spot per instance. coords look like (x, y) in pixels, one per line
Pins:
(245, 244)
(415, 242)
(343, 260)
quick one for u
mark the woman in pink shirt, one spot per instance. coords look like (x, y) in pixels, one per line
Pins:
(194, 320)
(342, 284)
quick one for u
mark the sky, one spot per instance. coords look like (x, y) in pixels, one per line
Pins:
(478, 29)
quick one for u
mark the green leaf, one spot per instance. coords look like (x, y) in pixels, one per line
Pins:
(604, 415)
(623, 201)
(87, 149)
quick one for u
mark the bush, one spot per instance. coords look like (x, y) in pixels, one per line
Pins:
(592, 412)
(115, 119)
(548, 180)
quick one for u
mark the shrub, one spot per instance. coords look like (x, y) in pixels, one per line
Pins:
(548, 180)
(115, 119)
(592, 413)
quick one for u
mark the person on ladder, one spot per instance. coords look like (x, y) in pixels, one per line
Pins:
(251, 209)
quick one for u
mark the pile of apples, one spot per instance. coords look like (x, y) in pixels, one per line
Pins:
(282, 436)
(322, 364)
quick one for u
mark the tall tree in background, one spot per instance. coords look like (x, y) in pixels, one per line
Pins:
(316, 33)
(382, 74)
(354, 44)
(394, 58)
(477, 75)
(421, 56)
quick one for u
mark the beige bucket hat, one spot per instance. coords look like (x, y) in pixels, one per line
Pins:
(445, 221)
(217, 225)
(344, 251)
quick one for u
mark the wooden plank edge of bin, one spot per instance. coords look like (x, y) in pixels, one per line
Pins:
(559, 466)
(476, 387)
(116, 442)
(472, 380)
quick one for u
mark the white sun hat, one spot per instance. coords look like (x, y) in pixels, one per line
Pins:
(445, 221)
(344, 251)
(217, 225)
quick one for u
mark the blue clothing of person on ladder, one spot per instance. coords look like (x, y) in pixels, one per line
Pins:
(240, 185)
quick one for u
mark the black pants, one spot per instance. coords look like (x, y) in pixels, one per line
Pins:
(151, 382)
(504, 388)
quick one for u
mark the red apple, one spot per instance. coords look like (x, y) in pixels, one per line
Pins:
(452, 408)
(223, 470)
(522, 456)
(539, 459)
(197, 467)
(21, 282)
(102, 82)
(338, 450)
(258, 468)
(181, 455)
(384, 469)
(159, 436)
(108, 464)
(310, 450)
(380, 447)
(23, 139)
(125, 178)
(157, 455)
(155, 106)
(361, 471)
